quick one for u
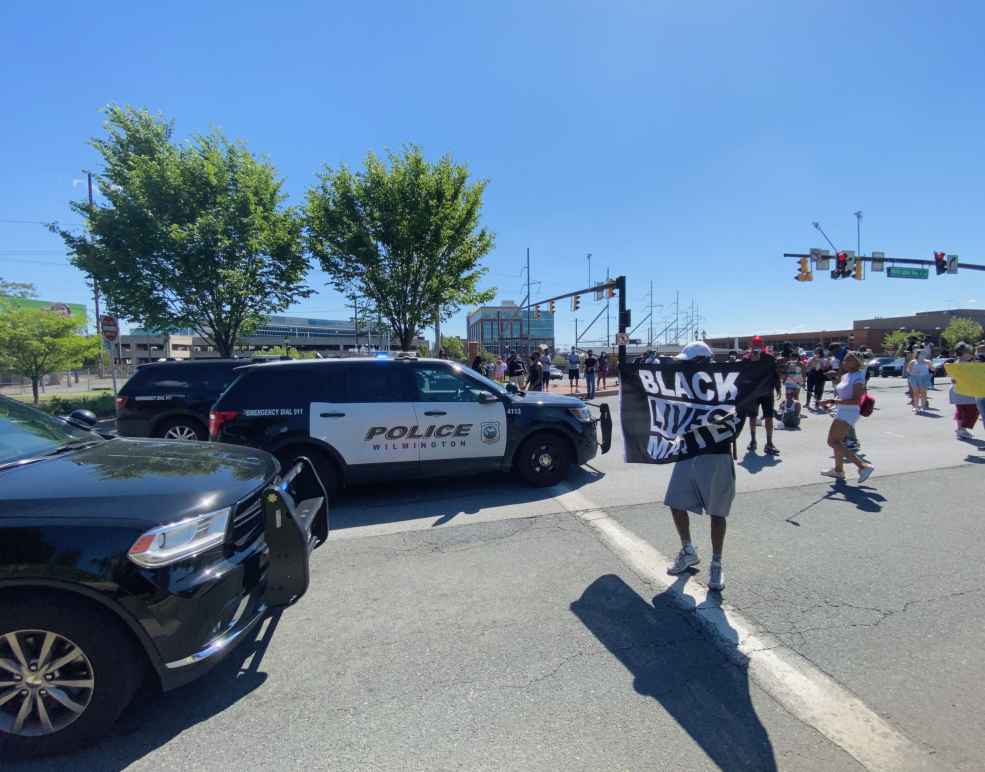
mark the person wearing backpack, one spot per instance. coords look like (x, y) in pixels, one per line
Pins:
(848, 394)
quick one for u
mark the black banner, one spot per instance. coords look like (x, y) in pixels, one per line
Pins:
(683, 408)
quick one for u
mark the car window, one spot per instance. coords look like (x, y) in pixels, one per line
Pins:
(381, 381)
(437, 383)
(293, 386)
(26, 432)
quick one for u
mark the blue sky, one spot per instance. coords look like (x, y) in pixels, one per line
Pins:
(688, 144)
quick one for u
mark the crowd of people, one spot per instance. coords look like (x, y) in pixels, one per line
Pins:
(534, 372)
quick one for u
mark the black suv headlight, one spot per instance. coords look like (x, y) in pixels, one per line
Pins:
(168, 544)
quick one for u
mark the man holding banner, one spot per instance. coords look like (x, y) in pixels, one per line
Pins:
(687, 412)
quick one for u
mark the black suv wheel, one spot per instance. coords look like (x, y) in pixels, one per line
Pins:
(185, 429)
(543, 459)
(66, 674)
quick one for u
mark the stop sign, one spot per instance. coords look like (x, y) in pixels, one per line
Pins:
(108, 327)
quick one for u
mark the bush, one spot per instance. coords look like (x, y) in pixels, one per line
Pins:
(104, 406)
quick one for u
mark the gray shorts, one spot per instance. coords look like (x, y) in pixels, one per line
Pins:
(703, 484)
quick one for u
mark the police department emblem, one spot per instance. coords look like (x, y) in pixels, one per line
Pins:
(489, 431)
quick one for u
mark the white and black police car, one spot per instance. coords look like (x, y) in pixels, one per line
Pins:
(369, 419)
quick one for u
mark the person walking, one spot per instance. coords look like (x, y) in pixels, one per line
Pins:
(965, 407)
(603, 369)
(919, 371)
(545, 360)
(514, 368)
(535, 373)
(500, 370)
(702, 484)
(573, 363)
(591, 365)
(817, 366)
(848, 393)
(765, 403)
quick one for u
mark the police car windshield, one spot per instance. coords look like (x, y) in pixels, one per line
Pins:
(494, 387)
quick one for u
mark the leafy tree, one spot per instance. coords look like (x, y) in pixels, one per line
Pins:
(35, 342)
(405, 234)
(453, 347)
(961, 329)
(290, 351)
(17, 289)
(191, 235)
(897, 340)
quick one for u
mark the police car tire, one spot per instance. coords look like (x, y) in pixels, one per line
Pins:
(326, 467)
(189, 423)
(531, 454)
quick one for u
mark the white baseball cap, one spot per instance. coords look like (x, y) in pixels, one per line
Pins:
(695, 350)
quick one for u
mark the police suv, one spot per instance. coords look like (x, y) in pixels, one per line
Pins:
(362, 420)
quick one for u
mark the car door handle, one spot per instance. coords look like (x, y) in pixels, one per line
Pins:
(332, 415)
(435, 412)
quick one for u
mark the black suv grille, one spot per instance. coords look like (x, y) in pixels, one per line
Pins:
(247, 521)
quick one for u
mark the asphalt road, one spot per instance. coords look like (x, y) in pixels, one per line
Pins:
(479, 624)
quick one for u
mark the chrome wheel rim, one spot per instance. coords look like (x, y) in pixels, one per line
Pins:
(181, 432)
(46, 682)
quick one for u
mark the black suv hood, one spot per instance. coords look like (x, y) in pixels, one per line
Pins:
(548, 400)
(147, 481)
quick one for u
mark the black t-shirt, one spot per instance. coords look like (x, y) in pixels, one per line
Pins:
(590, 364)
(535, 377)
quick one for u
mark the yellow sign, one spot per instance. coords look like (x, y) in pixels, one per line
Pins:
(968, 377)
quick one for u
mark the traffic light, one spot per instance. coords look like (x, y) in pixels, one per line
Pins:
(841, 266)
(575, 302)
(805, 270)
(536, 312)
(859, 270)
(940, 262)
(850, 263)
(610, 292)
(552, 307)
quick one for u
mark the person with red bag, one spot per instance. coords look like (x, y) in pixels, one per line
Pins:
(848, 395)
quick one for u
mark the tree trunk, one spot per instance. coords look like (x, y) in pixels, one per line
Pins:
(406, 340)
(34, 388)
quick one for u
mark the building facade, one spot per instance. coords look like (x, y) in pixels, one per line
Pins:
(325, 336)
(864, 333)
(503, 328)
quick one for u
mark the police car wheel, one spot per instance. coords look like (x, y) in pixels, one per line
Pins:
(544, 459)
(327, 471)
(183, 429)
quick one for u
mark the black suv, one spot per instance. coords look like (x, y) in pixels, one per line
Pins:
(172, 399)
(362, 420)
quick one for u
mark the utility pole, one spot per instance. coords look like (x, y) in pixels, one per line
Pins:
(858, 235)
(576, 334)
(528, 300)
(677, 318)
(589, 258)
(649, 339)
(607, 313)
(355, 318)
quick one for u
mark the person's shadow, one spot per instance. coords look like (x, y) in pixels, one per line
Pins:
(674, 661)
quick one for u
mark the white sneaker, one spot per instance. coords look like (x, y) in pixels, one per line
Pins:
(834, 473)
(964, 434)
(686, 558)
(865, 473)
(716, 576)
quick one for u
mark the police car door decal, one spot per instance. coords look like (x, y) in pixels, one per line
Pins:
(451, 424)
(367, 432)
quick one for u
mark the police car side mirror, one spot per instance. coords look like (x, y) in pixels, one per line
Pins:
(486, 398)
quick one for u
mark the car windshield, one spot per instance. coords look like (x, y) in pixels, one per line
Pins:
(29, 433)
(494, 387)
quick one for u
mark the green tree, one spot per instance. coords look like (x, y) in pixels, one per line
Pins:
(17, 289)
(453, 347)
(191, 234)
(896, 340)
(405, 234)
(961, 329)
(35, 342)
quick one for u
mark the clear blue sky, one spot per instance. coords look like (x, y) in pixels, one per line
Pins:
(690, 144)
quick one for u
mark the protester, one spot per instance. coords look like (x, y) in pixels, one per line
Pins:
(965, 407)
(591, 363)
(573, 363)
(791, 369)
(603, 369)
(702, 484)
(817, 366)
(545, 360)
(765, 403)
(789, 410)
(499, 371)
(848, 393)
(477, 363)
(515, 370)
(535, 373)
(919, 372)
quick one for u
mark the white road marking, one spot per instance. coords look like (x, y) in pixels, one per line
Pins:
(894, 434)
(806, 692)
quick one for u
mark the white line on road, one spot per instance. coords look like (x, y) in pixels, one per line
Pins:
(806, 692)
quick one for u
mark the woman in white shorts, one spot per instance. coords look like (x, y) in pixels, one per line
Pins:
(919, 372)
(848, 393)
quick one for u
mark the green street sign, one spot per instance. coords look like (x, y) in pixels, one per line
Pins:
(898, 272)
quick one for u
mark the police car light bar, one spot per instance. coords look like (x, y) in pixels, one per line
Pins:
(406, 355)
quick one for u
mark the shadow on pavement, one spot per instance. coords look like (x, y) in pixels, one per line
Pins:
(863, 497)
(753, 463)
(154, 719)
(442, 498)
(672, 662)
